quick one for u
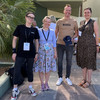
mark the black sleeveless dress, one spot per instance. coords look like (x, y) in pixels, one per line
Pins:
(86, 47)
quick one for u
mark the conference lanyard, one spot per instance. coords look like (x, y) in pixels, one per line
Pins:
(47, 35)
(27, 34)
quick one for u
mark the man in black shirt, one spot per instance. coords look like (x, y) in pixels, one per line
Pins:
(25, 34)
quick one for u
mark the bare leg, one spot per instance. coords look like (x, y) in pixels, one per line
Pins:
(41, 76)
(47, 75)
(88, 81)
(89, 72)
(30, 83)
(84, 71)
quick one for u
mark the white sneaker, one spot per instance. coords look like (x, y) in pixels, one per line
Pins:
(32, 92)
(68, 81)
(59, 81)
(15, 94)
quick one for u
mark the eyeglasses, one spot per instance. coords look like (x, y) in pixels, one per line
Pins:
(30, 17)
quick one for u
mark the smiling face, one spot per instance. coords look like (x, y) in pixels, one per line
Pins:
(67, 11)
(29, 18)
(87, 14)
(46, 22)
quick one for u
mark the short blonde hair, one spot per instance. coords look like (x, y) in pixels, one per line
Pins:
(46, 17)
(53, 19)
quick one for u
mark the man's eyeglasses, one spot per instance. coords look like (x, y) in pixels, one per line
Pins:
(30, 17)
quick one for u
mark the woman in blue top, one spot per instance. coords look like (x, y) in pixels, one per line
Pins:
(47, 53)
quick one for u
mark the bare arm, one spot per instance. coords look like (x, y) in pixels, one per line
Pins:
(36, 46)
(76, 33)
(76, 30)
(14, 42)
(96, 35)
(56, 32)
(55, 53)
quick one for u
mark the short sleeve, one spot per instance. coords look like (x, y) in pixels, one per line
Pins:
(17, 31)
(37, 34)
(57, 24)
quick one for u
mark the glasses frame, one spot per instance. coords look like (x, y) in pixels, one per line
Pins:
(30, 17)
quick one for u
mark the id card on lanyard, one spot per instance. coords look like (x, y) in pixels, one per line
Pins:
(26, 45)
(46, 45)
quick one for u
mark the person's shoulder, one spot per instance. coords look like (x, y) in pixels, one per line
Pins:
(20, 25)
(60, 20)
(52, 23)
(34, 28)
(39, 29)
(73, 19)
(82, 22)
(93, 20)
(52, 30)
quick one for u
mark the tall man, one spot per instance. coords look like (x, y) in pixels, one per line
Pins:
(65, 27)
(26, 51)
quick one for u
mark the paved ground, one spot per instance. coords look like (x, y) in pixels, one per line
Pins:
(63, 92)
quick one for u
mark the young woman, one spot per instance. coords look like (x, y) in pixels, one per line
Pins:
(47, 53)
(87, 47)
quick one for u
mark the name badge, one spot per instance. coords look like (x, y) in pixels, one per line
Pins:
(26, 46)
(46, 46)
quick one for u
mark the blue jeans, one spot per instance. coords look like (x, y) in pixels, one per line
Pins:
(60, 54)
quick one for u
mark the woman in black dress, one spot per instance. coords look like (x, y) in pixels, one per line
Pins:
(87, 47)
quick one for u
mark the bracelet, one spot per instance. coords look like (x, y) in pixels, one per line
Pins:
(13, 50)
(36, 52)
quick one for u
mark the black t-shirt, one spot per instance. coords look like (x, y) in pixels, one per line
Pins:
(26, 34)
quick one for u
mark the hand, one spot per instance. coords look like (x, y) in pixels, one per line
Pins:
(36, 56)
(14, 56)
(55, 55)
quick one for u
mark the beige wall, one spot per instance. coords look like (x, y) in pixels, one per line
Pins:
(56, 14)
(95, 5)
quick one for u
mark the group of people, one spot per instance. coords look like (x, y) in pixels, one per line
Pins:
(43, 51)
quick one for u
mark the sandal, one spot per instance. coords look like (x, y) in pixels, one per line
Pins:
(82, 82)
(86, 85)
(47, 86)
(42, 87)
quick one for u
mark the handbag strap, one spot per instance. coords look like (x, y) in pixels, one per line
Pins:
(87, 23)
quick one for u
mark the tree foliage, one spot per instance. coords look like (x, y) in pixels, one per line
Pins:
(12, 13)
